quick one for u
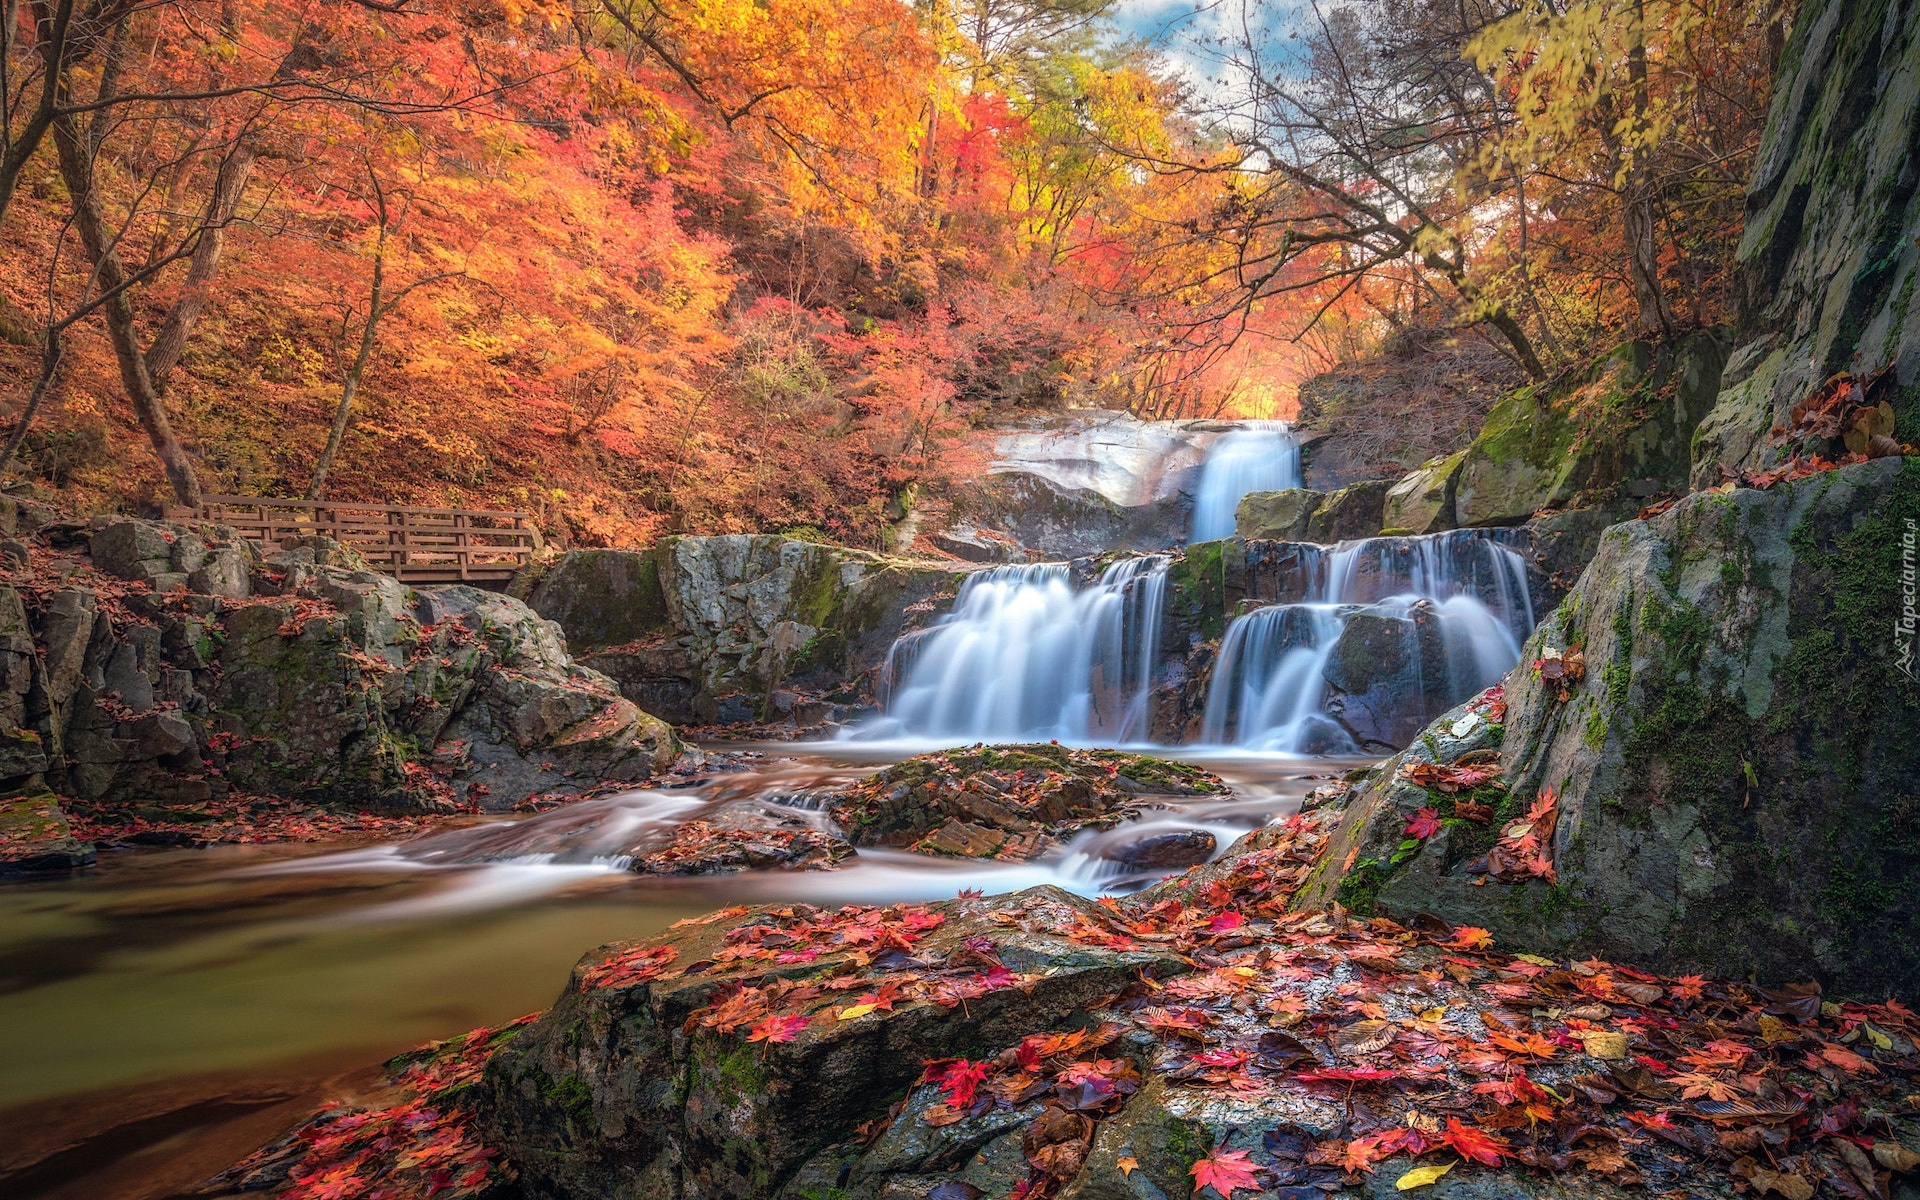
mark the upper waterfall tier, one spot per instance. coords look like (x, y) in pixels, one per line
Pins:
(1260, 456)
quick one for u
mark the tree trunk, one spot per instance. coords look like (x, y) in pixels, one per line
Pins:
(76, 168)
(1639, 220)
(343, 413)
(171, 340)
(50, 355)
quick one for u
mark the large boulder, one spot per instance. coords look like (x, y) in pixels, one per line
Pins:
(1734, 763)
(1276, 516)
(1422, 500)
(1621, 426)
(621, 1091)
(1355, 511)
(693, 620)
(1826, 265)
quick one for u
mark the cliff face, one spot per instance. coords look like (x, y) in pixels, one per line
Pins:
(1726, 784)
(1827, 266)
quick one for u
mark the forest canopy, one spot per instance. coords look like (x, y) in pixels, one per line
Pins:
(695, 265)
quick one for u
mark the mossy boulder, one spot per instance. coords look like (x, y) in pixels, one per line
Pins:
(35, 836)
(1621, 426)
(615, 1093)
(1353, 512)
(1008, 802)
(1422, 500)
(1736, 768)
(695, 619)
(1280, 516)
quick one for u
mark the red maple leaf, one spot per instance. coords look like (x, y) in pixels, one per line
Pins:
(960, 1079)
(1424, 824)
(1472, 1143)
(777, 1029)
(1224, 1170)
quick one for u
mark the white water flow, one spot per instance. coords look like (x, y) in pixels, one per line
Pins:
(1260, 456)
(1449, 614)
(1024, 657)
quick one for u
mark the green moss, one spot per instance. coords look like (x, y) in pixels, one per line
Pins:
(1197, 580)
(1595, 733)
(1359, 891)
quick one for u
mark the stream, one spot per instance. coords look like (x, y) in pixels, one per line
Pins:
(167, 1012)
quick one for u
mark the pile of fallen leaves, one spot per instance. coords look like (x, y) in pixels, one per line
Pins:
(1007, 802)
(1420, 1042)
(236, 818)
(710, 848)
(424, 1144)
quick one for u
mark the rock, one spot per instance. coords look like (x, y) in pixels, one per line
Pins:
(613, 1093)
(1564, 542)
(1032, 511)
(1386, 673)
(1422, 500)
(226, 572)
(1355, 511)
(1005, 801)
(602, 597)
(1826, 264)
(129, 549)
(1181, 849)
(1535, 452)
(35, 837)
(1280, 516)
(739, 837)
(1730, 763)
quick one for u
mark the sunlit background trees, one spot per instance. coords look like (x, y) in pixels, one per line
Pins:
(647, 265)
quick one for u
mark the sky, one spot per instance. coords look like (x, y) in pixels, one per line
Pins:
(1182, 28)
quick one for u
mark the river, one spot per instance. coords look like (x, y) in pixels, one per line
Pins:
(167, 1012)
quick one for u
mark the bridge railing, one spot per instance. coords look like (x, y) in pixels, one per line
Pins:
(415, 545)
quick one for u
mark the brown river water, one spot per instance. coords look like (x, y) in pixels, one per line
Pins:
(167, 1012)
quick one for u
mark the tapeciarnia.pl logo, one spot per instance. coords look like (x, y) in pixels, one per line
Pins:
(1905, 624)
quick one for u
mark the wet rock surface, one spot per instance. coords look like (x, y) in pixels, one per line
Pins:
(1042, 1045)
(1008, 802)
(1728, 761)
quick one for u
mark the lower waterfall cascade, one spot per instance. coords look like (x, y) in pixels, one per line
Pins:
(1023, 656)
(1445, 616)
(1390, 632)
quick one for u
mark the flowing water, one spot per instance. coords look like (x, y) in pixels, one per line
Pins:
(1260, 456)
(1025, 657)
(1453, 609)
(169, 1011)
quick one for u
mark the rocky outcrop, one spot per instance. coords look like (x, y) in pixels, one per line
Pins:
(1734, 763)
(1009, 802)
(1622, 426)
(165, 664)
(629, 1088)
(699, 629)
(1353, 512)
(1826, 267)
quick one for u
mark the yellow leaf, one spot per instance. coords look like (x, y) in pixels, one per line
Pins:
(1773, 1029)
(1535, 959)
(1128, 1164)
(1605, 1044)
(856, 1010)
(1895, 1157)
(1877, 1038)
(1421, 1177)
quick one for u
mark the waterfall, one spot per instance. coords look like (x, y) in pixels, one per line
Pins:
(1440, 617)
(1259, 456)
(1025, 657)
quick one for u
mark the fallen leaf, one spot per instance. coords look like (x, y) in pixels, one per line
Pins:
(1421, 1177)
(1224, 1170)
(1605, 1044)
(1128, 1164)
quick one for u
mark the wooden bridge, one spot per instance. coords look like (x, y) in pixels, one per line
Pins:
(414, 545)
